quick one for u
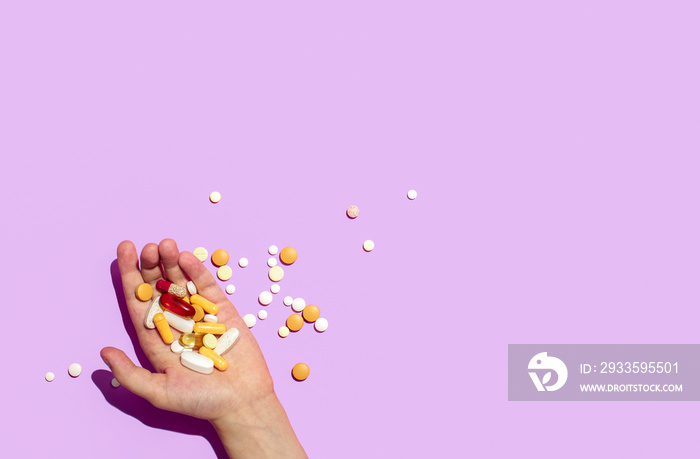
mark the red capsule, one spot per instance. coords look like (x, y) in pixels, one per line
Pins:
(176, 305)
(168, 287)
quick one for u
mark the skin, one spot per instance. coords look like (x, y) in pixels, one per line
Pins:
(240, 402)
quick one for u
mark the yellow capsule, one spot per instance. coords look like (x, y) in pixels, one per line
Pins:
(208, 327)
(208, 306)
(163, 328)
(219, 362)
(209, 341)
(198, 313)
(192, 340)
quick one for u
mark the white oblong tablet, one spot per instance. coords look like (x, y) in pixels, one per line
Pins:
(210, 318)
(191, 288)
(115, 383)
(49, 376)
(230, 288)
(265, 298)
(272, 250)
(288, 300)
(412, 194)
(298, 304)
(197, 362)
(249, 320)
(176, 347)
(283, 331)
(271, 262)
(321, 324)
(227, 341)
(262, 314)
(75, 369)
(179, 323)
(275, 288)
(243, 262)
(152, 311)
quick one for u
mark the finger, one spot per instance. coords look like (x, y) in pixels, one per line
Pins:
(136, 379)
(169, 255)
(129, 269)
(204, 281)
(150, 264)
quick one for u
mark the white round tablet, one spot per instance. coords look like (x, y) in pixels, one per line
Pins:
(115, 383)
(262, 314)
(49, 376)
(243, 262)
(298, 304)
(230, 288)
(75, 369)
(176, 347)
(321, 324)
(275, 288)
(288, 300)
(215, 197)
(283, 332)
(272, 250)
(412, 194)
(210, 319)
(265, 298)
(249, 320)
(272, 261)
(368, 246)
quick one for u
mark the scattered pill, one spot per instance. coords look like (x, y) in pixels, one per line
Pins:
(368, 246)
(230, 288)
(219, 257)
(224, 273)
(243, 262)
(163, 327)
(179, 323)
(115, 383)
(152, 311)
(272, 261)
(249, 320)
(75, 369)
(177, 347)
(300, 371)
(272, 250)
(283, 332)
(201, 254)
(197, 362)
(265, 298)
(353, 211)
(262, 314)
(210, 327)
(412, 194)
(176, 305)
(211, 318)
(215, 197)
(171, 288)
(276, 273)
(198, 313)
(295, 322)
(298, 304)
(275, 288)
(288, 300)
(144, 292)
(49, 376)
(192, 340)
(311, 313)
(288, 255)
(209, 341)
(321, 324)
(191, 288)
(208, 306)
(220, 363)
(227, 341)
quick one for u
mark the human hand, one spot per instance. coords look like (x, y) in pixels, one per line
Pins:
(240, 402)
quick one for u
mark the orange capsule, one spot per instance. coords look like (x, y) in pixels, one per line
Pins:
(163, 328)
(209, 327)
(219, 362)
(208, 306)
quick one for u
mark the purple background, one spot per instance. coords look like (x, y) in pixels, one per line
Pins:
(554, 148)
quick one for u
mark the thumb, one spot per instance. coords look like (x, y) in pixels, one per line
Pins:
(136, 379)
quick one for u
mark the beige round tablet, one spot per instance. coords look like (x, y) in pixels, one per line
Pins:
(115, 383)
(215, 197)
(368, 246)
(75, 369)
(353, 211)
(276, 273)
(224, 273)
(201, 254)
(300, 371)
(209, 341)
(283, 332)
(230, 288)
(50, 376)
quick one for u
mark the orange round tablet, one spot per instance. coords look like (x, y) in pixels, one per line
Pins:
(311, 313)
(288, 255)
(295, 322)
(144, 292)
(219, 257)
(300, 371)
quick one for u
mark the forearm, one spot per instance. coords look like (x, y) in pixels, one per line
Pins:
(259, 431)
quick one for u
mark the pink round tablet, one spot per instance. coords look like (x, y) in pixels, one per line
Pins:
(353, 211)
